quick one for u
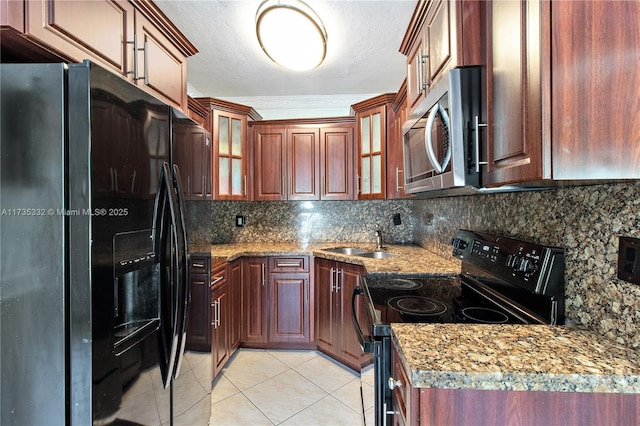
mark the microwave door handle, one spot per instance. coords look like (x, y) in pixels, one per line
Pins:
(447, 125)
(428, 141)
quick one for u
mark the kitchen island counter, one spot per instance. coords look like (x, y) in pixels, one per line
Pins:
(406, 259)
(516, 357)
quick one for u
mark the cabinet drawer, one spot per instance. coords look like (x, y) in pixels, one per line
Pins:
(199, 265)
(218, 275)
(289, 264)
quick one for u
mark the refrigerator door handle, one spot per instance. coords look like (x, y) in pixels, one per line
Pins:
(170, 312)
(182, 272)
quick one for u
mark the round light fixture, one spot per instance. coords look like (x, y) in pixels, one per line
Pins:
(291, 34)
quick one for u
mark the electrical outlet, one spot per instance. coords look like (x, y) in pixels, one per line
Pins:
(241, 220)
(629, 259)
(428, 219)
(396, 219)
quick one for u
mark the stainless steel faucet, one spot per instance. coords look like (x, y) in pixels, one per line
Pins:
(378, 237)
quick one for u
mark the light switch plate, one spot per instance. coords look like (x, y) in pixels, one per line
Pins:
(629, 259)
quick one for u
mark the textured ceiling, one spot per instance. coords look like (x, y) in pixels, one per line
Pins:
(362, 55)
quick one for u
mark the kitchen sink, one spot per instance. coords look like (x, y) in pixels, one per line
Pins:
(350, 251)
(375, 254)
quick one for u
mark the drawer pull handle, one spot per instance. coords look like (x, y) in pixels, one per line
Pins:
(198, 265)
(216, 280)
(287, 265)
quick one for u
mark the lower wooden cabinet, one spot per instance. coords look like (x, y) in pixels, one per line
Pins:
(276, 294)
(335, 333)
(199, 315)
(220, 329)
(435, 407)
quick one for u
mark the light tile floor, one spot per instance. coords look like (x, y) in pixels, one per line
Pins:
(288, 387)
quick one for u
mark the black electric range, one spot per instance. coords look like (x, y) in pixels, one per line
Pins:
(502, 281)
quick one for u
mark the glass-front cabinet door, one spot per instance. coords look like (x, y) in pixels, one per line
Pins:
(371, 155)
(230, 155)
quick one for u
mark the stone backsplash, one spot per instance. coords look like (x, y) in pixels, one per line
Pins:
(300, 221)
(585, 220)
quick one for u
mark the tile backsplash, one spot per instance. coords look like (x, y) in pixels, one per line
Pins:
(586, 221)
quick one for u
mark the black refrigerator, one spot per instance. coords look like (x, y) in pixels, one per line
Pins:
(94, 257)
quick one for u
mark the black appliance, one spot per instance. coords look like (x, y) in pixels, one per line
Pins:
(441, 141)
(503, 281)
(94, 258)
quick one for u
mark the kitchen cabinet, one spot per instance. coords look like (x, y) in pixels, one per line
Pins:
(199, 315)
(395, 154)
(335, 333)
(254, 300)
(277, 302)
(199, 113)
(192, 155)
(235, 301)
(303, 160)
(220, 318)
(433, 406)
(548, 88)
(375, 120)
(133, 39)
(230, 148)
(289, 290)
(441, 35)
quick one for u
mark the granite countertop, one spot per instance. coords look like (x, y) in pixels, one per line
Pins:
(516, 357)
(408, 259)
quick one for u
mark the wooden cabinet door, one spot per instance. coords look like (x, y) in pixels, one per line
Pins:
(439, 41)
(349, 345)
(288, 308)
(200, 170)
(303, 164)
(254, 276)
(161, 66)
(199, 315)
(514, 93)
(98, 30)
(372, 136)
(235, 304)
(395, 154)
(595, 125)
(416, 71)
(220, 327)
(325, 304)
(230, 155)
(270, 163)
(336, 163)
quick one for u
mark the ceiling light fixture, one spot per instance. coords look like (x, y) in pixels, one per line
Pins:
(291, 34)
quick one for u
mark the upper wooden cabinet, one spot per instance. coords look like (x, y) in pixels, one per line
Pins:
(395, 154)
(442, 34)
(303, 159)
(230, 149)
(192, 155)
(562, 92)
(373, 117)
(133, 39)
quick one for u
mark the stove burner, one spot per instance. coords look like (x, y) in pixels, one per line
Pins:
(417, 305)
(485, 315)
(400, 284)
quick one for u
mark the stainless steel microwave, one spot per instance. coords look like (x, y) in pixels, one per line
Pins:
(441, 142)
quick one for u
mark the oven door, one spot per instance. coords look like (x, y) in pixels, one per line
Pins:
(374, 393)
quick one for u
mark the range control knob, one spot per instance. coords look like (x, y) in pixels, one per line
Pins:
(526, 266)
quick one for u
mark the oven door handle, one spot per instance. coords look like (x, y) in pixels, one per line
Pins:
(366, 342)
